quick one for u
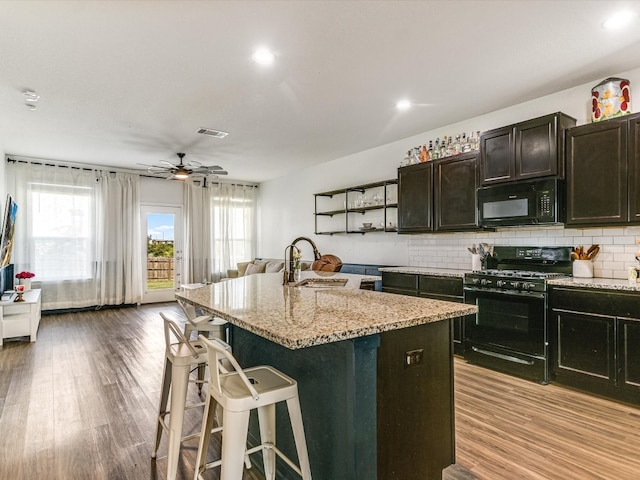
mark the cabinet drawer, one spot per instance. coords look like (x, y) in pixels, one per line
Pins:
(596, 301)
(16, 326)
(16, 309)
(440, 285)
(400, 280)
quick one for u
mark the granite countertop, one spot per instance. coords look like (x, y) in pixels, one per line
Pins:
(299, 317)
(435, 272)
(600, 283)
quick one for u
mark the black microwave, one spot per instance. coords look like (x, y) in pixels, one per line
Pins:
(522, 203)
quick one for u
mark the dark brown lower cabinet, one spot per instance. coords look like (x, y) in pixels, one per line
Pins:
(448, 289)
(595, 341)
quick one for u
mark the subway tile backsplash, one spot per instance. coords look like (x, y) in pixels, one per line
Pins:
(449, 250)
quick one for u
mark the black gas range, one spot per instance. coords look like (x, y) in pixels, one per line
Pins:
(510, 331)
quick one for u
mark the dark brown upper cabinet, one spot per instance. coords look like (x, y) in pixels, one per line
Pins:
(415, 198)
(526, 150)
(439, 195)
(456, 181)
(603, 173)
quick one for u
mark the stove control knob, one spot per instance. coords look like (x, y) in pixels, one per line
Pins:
(528, 286)
(516, 285)
(484, 282)
(475, 281)
(501, 283)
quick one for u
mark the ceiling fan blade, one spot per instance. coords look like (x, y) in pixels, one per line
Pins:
(154, 170)
(209, 171)
(213, 167)
(167, 163)
(193, 164)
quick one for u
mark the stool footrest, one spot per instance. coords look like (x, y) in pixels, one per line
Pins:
(271, 446)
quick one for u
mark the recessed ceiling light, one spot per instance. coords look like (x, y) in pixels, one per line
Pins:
(619, 20)
(263, 56)
(403, 105)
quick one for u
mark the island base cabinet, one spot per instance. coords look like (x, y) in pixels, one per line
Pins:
(415, 403)
(365, 415)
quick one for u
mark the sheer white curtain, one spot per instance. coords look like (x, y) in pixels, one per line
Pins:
(197, 233)
(121, 255)
(76, 230)
(233, 225)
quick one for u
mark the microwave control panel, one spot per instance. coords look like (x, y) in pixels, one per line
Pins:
(546, 204)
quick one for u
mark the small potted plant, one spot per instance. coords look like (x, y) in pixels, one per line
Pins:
(25, 279)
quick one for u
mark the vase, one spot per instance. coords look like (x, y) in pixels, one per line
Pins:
(583, 268)
(297, 273)
(26, 282)
(476, 262)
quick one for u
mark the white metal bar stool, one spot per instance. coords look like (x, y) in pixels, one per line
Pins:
(238, 392)
(180, 358)
(207, 325)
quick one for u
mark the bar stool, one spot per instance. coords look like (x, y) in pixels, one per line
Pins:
(180, 358)
(238, 392)
(207, 325)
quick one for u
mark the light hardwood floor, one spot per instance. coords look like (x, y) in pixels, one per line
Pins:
(81, 403)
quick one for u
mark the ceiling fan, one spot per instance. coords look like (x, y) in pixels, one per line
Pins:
(183, 171)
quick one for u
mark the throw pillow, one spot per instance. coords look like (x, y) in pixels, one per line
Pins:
(273, 267)
(254, 268)
(242, 268)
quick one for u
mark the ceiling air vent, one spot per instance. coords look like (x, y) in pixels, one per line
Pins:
(211, 132)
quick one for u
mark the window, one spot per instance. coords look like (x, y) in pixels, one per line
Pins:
(233, 210)
(62, 226)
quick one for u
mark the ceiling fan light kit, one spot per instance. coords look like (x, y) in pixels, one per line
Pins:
(182, 171)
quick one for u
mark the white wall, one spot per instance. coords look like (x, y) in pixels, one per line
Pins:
(159, 191)
(287, 203)
(3, 181)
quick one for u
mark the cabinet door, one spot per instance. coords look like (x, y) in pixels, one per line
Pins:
(415, 198)
(536, 148)
(597, 174)
(455, 200)
(629, 348)
(496, 156)
(633, 156)
(585, 347)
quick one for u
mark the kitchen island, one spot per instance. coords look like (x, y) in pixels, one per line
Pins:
(374, 370)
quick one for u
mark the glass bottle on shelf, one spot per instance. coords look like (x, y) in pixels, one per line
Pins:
(436, 149)
(430, 151)
(407, 159)
(449, 149)
(457, 146)
(424, 156)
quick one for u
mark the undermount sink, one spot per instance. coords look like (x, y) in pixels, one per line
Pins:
(322, 282)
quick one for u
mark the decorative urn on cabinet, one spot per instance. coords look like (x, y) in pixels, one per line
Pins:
(610, 98)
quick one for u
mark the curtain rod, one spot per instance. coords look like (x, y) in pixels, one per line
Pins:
(102, 168)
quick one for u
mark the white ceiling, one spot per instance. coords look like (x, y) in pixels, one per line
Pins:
(127, 82)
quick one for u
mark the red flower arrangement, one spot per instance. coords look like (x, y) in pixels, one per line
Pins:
(25, 275)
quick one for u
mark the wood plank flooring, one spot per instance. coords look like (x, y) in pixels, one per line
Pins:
(81, 403)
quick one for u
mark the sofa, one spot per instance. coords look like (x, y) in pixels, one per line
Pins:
(261, 265)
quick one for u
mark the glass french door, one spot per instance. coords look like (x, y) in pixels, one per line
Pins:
(162, 254)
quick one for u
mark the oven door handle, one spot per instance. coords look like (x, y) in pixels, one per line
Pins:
(502, 356)
(506, 293)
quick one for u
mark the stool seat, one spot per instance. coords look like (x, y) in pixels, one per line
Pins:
(271, 386)
(238, 392)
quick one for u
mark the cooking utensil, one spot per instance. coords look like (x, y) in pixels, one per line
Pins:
(579, 253)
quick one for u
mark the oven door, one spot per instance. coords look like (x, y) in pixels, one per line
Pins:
(509, 332)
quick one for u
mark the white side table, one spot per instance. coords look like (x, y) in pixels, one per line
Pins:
(21, 319)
